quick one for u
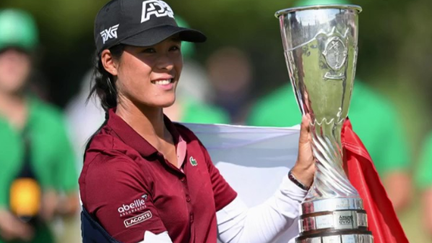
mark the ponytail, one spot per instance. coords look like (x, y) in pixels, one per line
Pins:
(104, 82)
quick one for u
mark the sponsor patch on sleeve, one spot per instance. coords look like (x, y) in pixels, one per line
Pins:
(135, 206)
(137, 219)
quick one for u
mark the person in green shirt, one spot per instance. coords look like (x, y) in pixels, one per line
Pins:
(373, 119)
(423, 179)
(38, 178)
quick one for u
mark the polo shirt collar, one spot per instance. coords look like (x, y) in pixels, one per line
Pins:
(129, 136)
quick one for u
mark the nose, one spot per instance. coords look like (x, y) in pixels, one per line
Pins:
(165, 62)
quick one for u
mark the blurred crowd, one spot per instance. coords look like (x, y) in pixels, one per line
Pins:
(41, 144)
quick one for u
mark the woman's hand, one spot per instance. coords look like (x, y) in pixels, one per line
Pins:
(304, 169)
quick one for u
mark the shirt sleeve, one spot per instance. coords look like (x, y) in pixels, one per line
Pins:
(263, 223)
(117, 195)
(223, 192)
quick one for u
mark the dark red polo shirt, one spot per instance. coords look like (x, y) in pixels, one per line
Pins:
(128, 186)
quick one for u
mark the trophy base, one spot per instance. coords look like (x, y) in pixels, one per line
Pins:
(337, 237)
(334, 220)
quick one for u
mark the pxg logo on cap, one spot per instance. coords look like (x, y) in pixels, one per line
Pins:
(155, 7)
(109, 33)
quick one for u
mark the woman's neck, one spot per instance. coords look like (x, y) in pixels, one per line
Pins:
(148, 122)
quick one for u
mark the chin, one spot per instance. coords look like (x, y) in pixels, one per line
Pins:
(166, 103)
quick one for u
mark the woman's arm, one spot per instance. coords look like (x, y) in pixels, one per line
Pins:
(263, 223)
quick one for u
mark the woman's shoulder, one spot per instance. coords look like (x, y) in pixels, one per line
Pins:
(107, 169)
(106, 149)
(106, 157)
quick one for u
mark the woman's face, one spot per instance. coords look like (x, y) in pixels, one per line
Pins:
(148, 76)
(15, 68)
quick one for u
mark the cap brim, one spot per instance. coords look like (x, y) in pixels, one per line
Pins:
(158, 34)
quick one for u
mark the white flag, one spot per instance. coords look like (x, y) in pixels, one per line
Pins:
(253, 160)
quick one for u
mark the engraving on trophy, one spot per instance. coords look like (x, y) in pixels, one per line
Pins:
(335, 53)
(333, 220)
(344, 220)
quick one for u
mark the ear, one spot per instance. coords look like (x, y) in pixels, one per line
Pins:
(109, 63)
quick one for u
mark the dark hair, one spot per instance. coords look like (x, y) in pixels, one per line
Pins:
(104, 82)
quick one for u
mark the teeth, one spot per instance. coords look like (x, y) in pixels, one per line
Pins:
(163, 82)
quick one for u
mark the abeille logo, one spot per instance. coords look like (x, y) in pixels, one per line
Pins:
(345, 220)
(137, 219)
(157, 8)
(136, 205)
(110, 33)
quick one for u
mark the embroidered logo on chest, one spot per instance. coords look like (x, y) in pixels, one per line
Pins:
(193, 161)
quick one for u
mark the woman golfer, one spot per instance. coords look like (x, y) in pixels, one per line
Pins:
(146, 179)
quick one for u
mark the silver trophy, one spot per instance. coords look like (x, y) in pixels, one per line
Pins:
(320, 46)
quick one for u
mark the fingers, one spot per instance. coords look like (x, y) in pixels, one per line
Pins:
(305, 129)
(304, 169)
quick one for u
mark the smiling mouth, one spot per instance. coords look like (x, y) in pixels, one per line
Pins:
(163, 82)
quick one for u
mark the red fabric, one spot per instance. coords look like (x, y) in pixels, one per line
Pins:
(382, 218)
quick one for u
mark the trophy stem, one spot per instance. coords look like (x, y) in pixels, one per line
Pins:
(330, 179)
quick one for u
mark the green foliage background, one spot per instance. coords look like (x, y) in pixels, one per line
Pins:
(395, 51)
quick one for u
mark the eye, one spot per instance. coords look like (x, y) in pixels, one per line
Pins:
(175, 48)
(149, 50)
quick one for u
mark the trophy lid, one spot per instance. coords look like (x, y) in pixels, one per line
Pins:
(320, 6)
